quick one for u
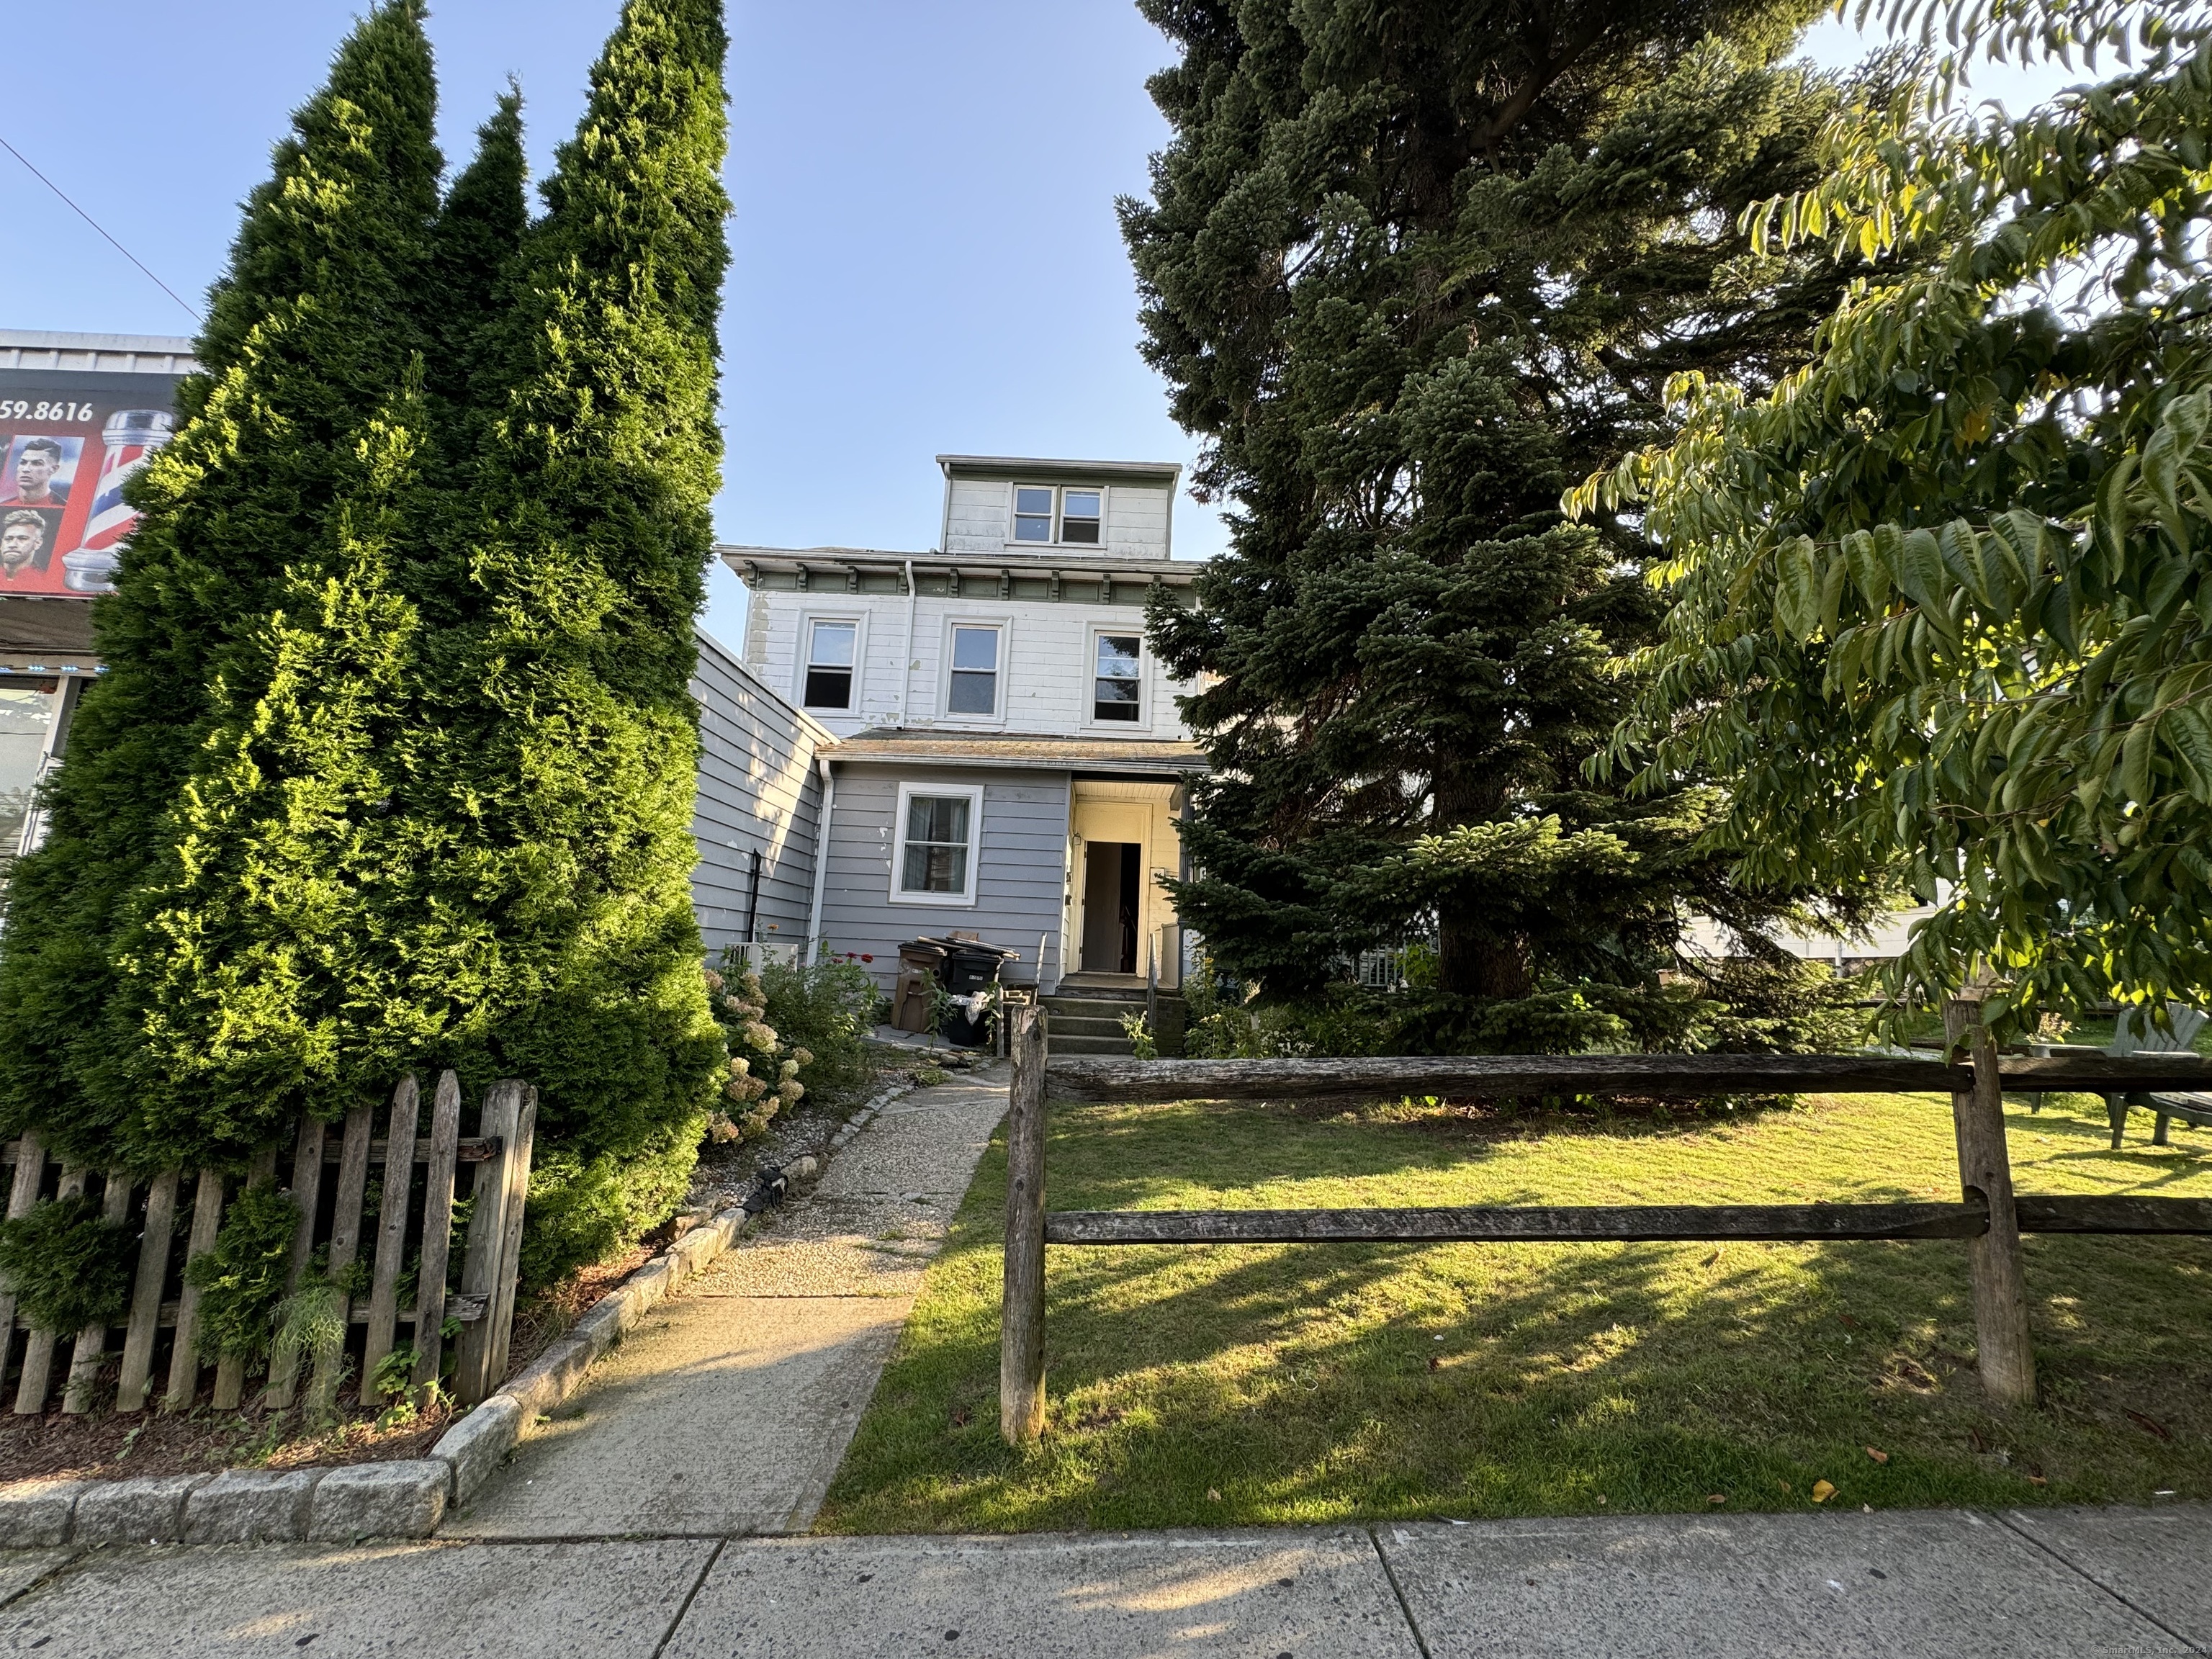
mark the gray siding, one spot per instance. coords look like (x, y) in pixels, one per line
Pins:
(758, 790)
(1019, 874)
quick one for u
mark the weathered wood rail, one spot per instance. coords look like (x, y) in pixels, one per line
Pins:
(1990, 1217)
(327, 1172)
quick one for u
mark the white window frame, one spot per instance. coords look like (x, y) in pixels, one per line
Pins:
(1144, 720)
(999, 625)
(1059, 516)
(858, 620)
(1104, 492)
(907, 791)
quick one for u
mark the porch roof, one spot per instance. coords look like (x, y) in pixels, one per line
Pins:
(1152, 755)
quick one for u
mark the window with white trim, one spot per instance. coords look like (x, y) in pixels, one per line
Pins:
(1033, 513)
(1082, 514)
(1066, 515)
(972, 683)
(830, 650)
(1117, 684)
(934, 862)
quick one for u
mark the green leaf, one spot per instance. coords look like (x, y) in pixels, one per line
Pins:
(1918, 565)
(1797, 589)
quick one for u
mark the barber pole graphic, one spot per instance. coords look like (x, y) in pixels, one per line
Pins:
(131, 436)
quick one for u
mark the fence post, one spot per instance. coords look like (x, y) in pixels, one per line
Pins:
(2003, 1354)
(185, 1356)
(510, 1240)
(230, 1370)
(345, 1248)
(1021, 1317)
(39, 1346)
(399, 1138)
(437, 1230)
(146, 1291)
(92, 1341)
(480, 1265)
(30, 1171)
(307, 1193)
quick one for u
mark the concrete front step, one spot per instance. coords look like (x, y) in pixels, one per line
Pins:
(1055, 1043)
(1060, 1025)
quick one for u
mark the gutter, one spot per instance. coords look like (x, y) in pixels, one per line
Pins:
(821, 858)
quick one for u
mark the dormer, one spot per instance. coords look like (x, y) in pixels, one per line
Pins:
(996, 505)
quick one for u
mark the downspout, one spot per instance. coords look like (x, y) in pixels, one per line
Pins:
(821, 858)
(906, 663)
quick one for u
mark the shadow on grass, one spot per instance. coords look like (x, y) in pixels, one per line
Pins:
(1226, 1385)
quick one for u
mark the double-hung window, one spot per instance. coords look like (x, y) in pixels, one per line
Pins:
(935, 862)
(829, 654)
(973, 688)
(1033, 513)
(1046, 513)
(1117, 686)
(1081, 514)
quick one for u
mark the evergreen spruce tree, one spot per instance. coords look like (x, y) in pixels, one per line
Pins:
(122, 980)
(1410, 273)
(561, 775)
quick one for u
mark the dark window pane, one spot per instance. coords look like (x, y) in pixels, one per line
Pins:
(975, 648)
(973, 693)
(1116, 700)
(934, 870)
(829, 688)
(1027, 529)
(1080, 529)
(937, 817)
(832, 645)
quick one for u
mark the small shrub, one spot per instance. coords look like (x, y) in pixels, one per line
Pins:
(70, 1266)
(242, 1280)
(792, 1030)
(930, 1076)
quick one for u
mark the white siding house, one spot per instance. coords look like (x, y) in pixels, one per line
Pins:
(1001, 753)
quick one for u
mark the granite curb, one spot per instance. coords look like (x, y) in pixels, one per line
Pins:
(402, 1498)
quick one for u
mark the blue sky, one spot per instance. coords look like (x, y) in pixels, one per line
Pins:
(925, 257)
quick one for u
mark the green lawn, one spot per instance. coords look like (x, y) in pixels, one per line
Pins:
(1209, 1385)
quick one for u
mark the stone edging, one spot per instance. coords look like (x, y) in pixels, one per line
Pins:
(398, 1499)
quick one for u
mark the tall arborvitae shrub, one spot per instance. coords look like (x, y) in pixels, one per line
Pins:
(1411, 272)
(160, 1000)
(567, 744)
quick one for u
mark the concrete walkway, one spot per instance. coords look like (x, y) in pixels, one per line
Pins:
(2052, 1584)
(727, 1410)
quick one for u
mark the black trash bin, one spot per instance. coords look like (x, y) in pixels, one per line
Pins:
(968, 968)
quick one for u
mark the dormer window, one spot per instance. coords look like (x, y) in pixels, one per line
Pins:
(1080, 516)
(1047, 515)
(1032, 514)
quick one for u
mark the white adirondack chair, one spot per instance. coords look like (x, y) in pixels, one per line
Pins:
(2134, 1036)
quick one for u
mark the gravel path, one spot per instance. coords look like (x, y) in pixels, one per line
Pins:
(727, 1410)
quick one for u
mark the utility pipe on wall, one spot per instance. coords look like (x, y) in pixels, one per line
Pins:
(906, 668)
(821, 858)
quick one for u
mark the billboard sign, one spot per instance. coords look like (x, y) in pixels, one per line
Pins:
(69, 440)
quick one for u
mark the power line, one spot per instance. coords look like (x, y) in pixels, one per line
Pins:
(97, 226)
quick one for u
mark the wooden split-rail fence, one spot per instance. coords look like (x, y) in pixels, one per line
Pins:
(327, 1170)
(1989, 1215)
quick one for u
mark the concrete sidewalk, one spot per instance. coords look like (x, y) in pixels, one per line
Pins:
(2113, 1583)
(727, 1410)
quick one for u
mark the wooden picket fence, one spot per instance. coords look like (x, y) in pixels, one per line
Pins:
(177, 1214)
(1989, 1215)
